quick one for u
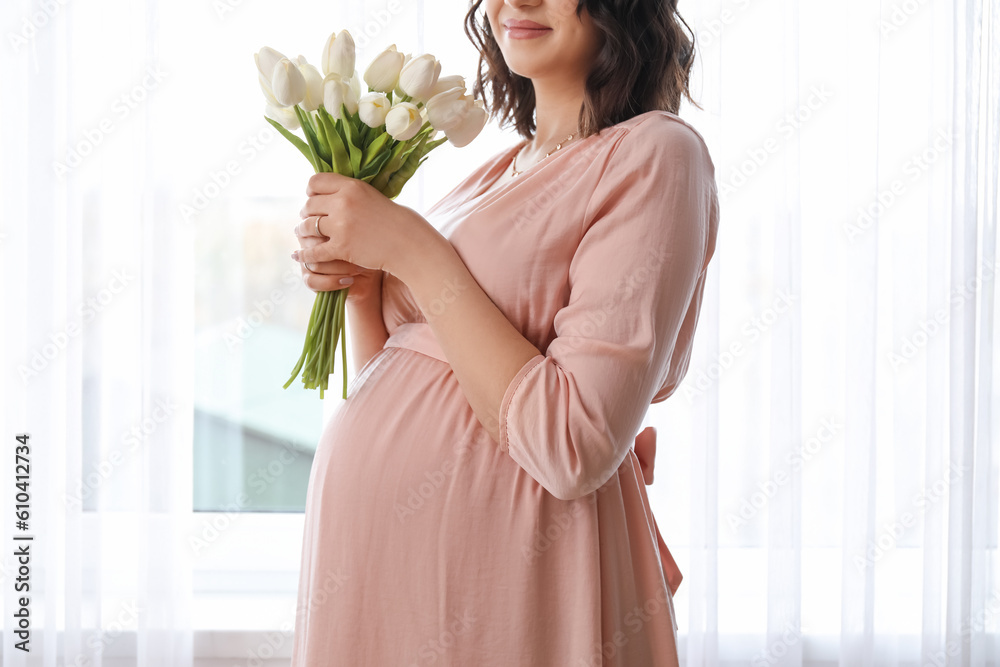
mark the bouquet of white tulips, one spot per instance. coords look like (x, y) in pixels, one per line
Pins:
(365, 136)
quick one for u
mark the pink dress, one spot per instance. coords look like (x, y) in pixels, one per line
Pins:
(428, 543)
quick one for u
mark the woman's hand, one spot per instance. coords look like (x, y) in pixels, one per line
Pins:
(326, 276)
(364, 229)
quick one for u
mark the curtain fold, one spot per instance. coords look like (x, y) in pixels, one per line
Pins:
(784, 538)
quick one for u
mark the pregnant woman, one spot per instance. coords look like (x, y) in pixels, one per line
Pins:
(477, 501)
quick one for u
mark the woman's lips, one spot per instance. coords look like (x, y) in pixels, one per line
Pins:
(527, 33)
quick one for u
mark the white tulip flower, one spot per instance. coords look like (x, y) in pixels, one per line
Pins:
(397, 91)
(447, 83)
(287, 83)
(418, 76)
(314, 85)
(472, 124)
(423, 115)
(266, 59)
(403, 121)
(447, 109)
(336, 91)
(283, 115)
(339, 55)
(382, 74)
(372, 108)
(265, 86)
(355, 83)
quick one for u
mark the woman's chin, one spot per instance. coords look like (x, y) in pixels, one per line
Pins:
(528, 70)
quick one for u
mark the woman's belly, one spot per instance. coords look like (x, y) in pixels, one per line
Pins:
(412, 505)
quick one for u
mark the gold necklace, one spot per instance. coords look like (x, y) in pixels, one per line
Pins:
(513, 164)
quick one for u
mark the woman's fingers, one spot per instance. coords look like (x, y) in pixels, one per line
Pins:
(337, 266)
(310, 241)
(308, 228)
(318, 282)
(333, 266)
(323, 276)
(315, 277)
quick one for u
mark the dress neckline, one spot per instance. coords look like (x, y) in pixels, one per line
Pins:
(484, 192)
(483, 195)
(496, 170)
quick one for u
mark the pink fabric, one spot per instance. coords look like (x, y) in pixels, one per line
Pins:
(427, 542)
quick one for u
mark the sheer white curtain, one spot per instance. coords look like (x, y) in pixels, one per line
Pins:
(827, 475)
(829, 468)
(97, 340)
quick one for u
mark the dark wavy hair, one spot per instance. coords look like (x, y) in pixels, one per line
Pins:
(644, 64)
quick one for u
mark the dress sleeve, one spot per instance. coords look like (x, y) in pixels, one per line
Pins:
(569, 416)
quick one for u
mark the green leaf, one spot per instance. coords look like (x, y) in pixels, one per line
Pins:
(394, 162)
(404, 173)
(434, 144)
(339, 124)
(321, 164)
(341, 161)
(296, 141)
(423, 133)
(352, 138)
(375, 148)
(416, 144)
(324, 142)
(307, 127)
(374, 167)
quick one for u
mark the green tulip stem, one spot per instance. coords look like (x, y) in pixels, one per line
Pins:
(305, 348)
